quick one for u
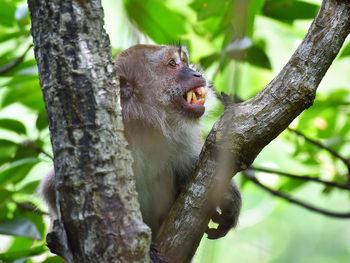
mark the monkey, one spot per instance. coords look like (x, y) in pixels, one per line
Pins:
(163, 98)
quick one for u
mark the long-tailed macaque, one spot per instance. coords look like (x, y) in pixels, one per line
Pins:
(162, 100)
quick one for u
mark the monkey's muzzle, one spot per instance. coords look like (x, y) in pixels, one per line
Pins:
(193, 101)
(196, 96)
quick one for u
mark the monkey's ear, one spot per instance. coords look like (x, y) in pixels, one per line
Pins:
(126, 90)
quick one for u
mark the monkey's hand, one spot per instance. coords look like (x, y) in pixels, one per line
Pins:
(227, 217)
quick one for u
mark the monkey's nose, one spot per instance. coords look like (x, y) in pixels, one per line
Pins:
(197, 74)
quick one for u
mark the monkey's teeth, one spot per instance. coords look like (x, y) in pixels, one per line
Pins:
(194, 98)
(189, 96)
(203, 92)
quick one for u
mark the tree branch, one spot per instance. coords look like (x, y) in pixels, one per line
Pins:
(249, 175)
(246, 128)
(325, 147)
(301, 177)
(98, 213)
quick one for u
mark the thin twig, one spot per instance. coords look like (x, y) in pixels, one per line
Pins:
(301, 177)
(11, 65)
(45, 153)
(30, 207)
(250, 176)
(32, 145)
(325, 147)
(227, 100)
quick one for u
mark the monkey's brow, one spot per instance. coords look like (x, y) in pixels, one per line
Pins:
(182, 52)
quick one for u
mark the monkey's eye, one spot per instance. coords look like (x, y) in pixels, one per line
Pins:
(172, 63)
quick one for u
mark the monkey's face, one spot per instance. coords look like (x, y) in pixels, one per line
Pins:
(184, 87)
(160, 79)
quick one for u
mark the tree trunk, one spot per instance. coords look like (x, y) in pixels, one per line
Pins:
(99, 216)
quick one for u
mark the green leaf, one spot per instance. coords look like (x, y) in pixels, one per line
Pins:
(20, 243)
(330, 117)
(22, 15)
(5, 195)
(21, 227)
(16, 171)
(55, 259)
(6, 143)
(13, 125)
(155, 19)
(7, 13)
(25, 90)
(345, 51)
(14, 35)
(255, 7)
(29, 188)
(27, 211)
(26, 68)
(7, 150)
(289, 10)
(243, 16)
(208, 8)
(19, 254)
(42, 120)
(7, 57)
(256, 56)
(28, 149)
(291, 185)
(209, 60)
(324, 118)
(5, 212)
(243, 182)
(232, 19)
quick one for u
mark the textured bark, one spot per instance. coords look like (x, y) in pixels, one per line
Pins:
(99, 217)
(246, 128)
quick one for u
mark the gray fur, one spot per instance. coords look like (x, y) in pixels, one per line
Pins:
(164, 141)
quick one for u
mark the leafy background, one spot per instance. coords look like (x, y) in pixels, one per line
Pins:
(241, 45)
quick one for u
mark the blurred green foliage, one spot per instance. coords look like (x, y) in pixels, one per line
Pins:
(241, 45)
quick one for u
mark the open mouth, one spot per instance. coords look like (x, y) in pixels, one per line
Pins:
(196, 96)
(193, 101)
